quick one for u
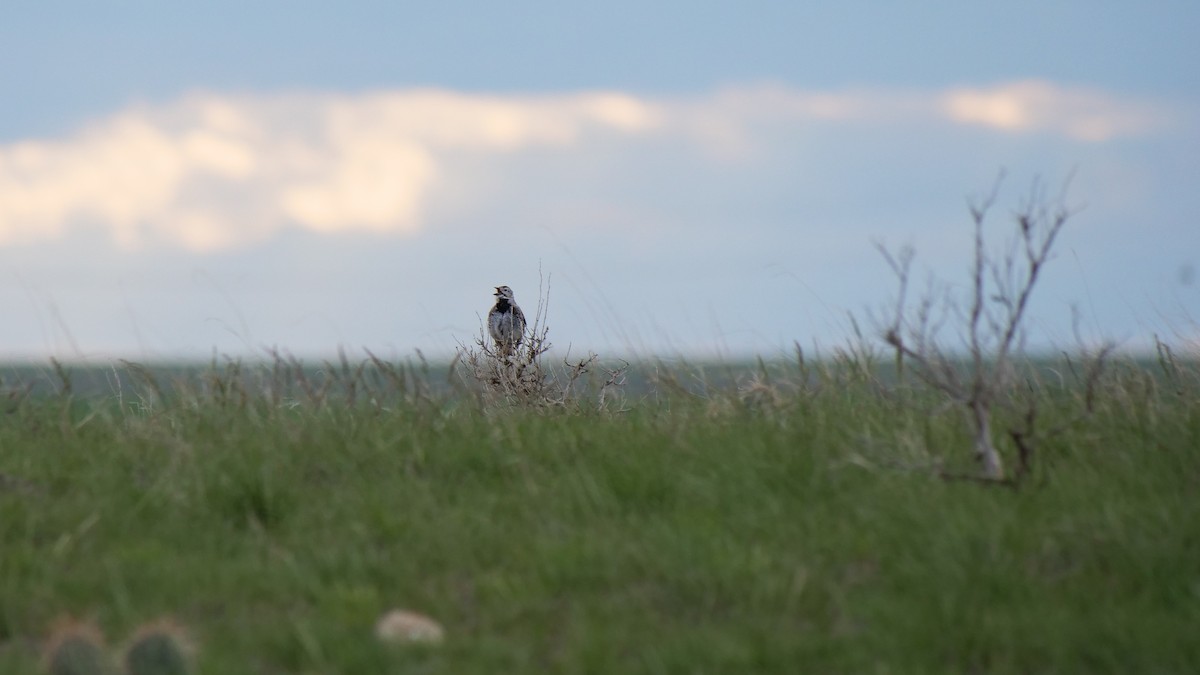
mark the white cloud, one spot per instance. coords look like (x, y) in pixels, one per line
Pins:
(1036, 106)
(1030, 106)
(210, 172)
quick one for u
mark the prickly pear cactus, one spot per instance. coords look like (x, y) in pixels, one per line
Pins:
(158, 650)
(77, 649)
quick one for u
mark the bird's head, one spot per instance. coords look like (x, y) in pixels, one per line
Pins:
(504, 293)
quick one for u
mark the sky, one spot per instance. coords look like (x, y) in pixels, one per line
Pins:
(678, 178)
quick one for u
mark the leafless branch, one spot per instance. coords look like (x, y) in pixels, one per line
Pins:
(1001, 287)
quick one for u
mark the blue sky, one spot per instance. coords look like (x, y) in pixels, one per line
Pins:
(693, 178)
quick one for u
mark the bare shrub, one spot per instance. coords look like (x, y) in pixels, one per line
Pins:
(980, 378)
(521, 376)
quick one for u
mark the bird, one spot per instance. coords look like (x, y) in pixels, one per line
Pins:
(506, 322)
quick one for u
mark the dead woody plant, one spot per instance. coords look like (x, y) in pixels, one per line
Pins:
(989, 323)
(519, 376)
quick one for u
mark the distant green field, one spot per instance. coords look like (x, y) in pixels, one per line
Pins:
(717, 520)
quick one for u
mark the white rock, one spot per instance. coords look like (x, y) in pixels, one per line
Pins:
(402, 626)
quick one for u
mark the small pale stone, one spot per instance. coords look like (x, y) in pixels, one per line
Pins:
(401, 626)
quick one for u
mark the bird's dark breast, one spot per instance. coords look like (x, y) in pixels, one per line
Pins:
(503, 305)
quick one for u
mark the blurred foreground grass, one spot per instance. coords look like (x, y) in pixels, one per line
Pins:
(778, 522)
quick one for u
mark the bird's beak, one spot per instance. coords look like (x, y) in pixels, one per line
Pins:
(497, 291)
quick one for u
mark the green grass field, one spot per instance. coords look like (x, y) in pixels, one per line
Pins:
(760, 529)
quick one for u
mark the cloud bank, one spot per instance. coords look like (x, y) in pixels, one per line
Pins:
(1082, 114)
(211, 172)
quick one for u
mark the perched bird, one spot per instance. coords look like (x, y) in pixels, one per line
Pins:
(506, 322)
